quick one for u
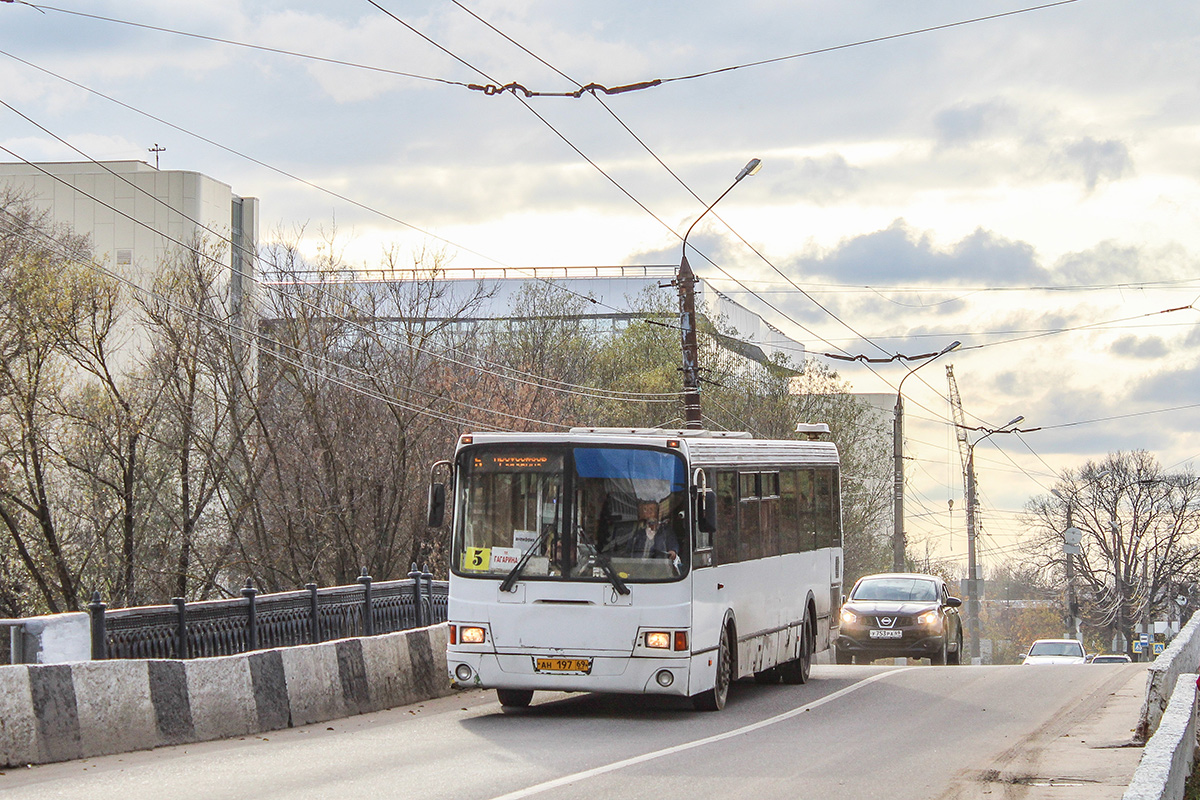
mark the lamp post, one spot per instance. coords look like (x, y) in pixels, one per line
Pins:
(972, 569)
(898, 543)
(685, 282)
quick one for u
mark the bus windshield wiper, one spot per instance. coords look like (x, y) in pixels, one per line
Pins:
(515, 572)
(605, 564)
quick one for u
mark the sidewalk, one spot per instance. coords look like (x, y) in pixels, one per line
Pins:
(1093, 756)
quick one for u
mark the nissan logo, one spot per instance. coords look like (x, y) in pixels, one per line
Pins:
(887, 622)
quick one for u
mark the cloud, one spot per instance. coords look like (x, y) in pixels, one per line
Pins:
(966, 123)
(899, 254)
(1092, 161)
(1138, 347)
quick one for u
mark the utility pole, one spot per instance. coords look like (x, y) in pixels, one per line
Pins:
(1071, 539)
(156, 150)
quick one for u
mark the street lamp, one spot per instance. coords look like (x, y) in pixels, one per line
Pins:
(972, 569)
(898, 543)
(685, 282)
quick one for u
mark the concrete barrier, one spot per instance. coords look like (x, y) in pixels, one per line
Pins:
(1170, 755)
(58, 712)
(1181, 656)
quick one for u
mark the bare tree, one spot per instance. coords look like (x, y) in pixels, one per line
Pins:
(1139, 526)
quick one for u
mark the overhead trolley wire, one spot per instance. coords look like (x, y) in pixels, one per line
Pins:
(594, 89)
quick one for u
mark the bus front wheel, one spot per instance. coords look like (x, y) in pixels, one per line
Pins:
(514, 698)
(714, 698)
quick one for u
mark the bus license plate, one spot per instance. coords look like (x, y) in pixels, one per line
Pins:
(583, 665)
(883, 634)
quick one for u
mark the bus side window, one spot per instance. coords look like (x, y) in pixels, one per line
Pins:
(749, 535)
(788, 518)
(804, 487)
(823, 513)
(726, 536)
(768, 526)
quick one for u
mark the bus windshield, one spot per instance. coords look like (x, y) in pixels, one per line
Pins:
(572, 513)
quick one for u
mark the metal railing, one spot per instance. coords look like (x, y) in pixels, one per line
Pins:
(253, 622)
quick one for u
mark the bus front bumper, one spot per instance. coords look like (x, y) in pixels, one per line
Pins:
(616, 674)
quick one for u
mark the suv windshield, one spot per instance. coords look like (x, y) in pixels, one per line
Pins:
(903, 590)
(577, 513)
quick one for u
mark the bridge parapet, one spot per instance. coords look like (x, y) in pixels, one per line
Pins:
(58, 712)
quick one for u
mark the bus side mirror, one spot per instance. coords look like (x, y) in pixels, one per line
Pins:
(706, 510)
(437, 504)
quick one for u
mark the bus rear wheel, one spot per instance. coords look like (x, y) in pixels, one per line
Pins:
(798, 670)
(515, 698)
(714, 698)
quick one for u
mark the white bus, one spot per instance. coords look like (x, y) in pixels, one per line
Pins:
(639, 561)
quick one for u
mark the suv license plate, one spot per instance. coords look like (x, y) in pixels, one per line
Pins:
(884, 634)
(583, 665)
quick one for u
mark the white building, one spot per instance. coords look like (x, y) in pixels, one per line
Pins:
(137, 215)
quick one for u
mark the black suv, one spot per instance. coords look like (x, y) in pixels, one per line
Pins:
(900, 615)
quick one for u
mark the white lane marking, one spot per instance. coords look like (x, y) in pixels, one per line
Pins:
(679, 748)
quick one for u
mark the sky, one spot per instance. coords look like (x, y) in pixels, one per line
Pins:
(1028, 184)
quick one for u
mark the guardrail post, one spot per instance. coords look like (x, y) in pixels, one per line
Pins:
(99, 634)
(248, 592)
(314, 617)
(427, 597)
(415, 575)
(181, 639)
(368, 610)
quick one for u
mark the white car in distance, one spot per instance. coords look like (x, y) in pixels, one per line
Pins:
(1056, 651)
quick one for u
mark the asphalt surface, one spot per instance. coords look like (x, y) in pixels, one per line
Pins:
(852, 732)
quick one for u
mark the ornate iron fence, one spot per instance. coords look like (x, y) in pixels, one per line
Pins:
(226, 627)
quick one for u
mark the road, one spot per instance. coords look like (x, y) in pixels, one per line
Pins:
(852, 732)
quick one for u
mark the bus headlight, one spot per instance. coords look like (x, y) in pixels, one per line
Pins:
(659, 640)
(463, 673)
(471, 635)
(664, 678)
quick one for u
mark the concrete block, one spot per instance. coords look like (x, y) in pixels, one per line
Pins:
(53, 691)
(270, 690)
(356, 694)
(18, 727)
(314, 686)
(388, 670)
(221, 696)
(172, 706)
(116, 713)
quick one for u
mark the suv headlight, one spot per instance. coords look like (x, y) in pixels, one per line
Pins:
(929, 618)
(849, 617)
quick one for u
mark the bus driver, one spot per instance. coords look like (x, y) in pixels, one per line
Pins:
(652, 539)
